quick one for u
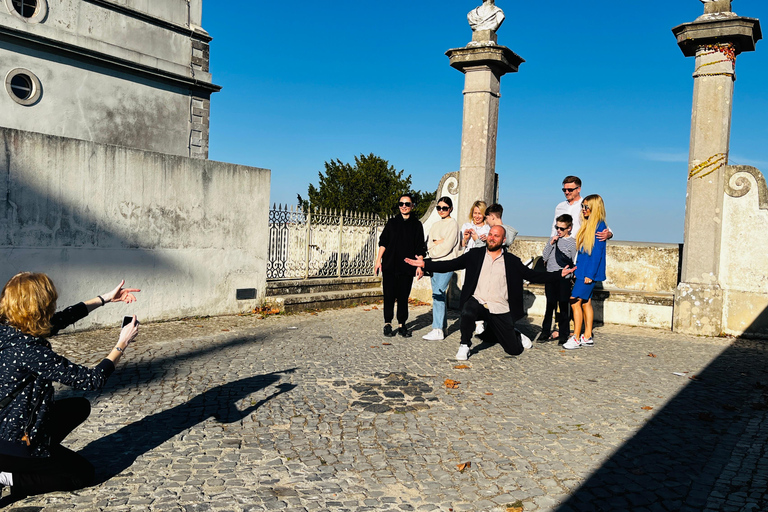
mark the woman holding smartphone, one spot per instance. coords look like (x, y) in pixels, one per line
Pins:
(32, 423)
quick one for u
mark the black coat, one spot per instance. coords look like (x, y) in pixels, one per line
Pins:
(22, 355)
(402, 238)
(472, 261)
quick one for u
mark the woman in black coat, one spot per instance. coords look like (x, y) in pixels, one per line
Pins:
(32, 423)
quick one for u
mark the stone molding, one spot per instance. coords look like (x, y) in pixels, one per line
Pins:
(500, 59)
(741, 185)
(743, 32)
(192, 31)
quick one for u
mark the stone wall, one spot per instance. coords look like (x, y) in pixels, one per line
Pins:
(190, 233)
(744, 252)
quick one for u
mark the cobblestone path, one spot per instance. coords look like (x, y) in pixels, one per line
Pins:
(314, 412)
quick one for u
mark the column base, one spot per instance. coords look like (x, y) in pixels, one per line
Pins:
(698, 309)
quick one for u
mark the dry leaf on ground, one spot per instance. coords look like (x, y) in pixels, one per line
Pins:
(452, 384)
(464, 465)
(461, 366)
(515, 507)
(647, 408)
(651, 355)
(489, 394)
(385, 343)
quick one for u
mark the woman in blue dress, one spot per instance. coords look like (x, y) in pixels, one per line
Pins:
(590, 268)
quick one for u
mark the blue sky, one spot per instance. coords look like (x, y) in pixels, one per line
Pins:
(605, 93)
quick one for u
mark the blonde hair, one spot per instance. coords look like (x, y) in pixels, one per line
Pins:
(585, 238)
(28, 302)
(477, 204)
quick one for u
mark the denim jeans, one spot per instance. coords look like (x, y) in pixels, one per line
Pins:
(439, 286)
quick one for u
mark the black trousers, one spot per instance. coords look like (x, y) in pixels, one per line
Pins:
(558, 295)
(396, 288)
(499, 328)
(64, 470)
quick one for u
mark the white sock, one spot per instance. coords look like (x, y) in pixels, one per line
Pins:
(6, 478)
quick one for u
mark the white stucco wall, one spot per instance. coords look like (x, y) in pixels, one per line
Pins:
(188, 232)
(744, 256)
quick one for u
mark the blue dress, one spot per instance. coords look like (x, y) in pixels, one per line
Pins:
(591, 266)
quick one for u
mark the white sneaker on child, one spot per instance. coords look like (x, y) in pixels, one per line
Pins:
(463, 353)
(479, 327)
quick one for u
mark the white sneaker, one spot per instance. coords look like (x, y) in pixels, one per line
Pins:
(525, 339)
(479, 327)
(587, 342)
(434, 335)
(463, 353)
(572, 343)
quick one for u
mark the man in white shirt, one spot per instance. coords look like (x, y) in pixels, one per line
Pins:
(572, 206)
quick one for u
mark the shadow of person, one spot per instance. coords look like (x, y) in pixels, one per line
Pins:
(116, 452)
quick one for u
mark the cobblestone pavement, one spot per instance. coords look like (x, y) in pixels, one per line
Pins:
(312, 412)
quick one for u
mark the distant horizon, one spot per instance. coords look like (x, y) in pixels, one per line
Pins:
(606, 96)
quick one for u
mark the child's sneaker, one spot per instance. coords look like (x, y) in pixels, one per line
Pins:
(479, 327)
(572, 343)
(587, 342)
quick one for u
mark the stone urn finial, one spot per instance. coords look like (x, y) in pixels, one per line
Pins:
(716, 6)
(485, 17)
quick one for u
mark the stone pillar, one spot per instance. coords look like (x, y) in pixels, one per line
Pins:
(483, 63)
(714, 39)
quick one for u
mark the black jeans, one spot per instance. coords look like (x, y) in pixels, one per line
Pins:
(396, 287)
(64, 470)
(558, 295)
(499, 328)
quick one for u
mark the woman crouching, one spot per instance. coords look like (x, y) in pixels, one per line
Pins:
(32, 423)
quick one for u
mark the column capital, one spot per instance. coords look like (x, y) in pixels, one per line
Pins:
(500, 59)
(742, 32)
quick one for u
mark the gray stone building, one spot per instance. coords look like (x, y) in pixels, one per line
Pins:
(104, 172)
(132, 73)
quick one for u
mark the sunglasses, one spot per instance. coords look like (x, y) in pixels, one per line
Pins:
(569, 189)
(443, 208)
(561, 229)
(585, 207)
(404, 203)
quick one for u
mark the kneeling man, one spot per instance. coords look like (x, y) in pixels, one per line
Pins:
(493, 290)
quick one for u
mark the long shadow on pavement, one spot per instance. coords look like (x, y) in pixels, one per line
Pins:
(117, 452)
(704, 451)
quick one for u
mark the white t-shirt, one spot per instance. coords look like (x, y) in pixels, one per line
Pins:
(574, 210)
(480, 230)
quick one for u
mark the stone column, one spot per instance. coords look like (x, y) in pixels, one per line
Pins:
(714, 39)
(483, 63)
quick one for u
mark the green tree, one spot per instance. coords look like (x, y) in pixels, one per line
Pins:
(371, 185)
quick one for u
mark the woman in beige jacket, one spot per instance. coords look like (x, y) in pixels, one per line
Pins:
(442, 243)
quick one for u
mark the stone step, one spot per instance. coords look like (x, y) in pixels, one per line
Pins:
(320, 285)
(324, 300)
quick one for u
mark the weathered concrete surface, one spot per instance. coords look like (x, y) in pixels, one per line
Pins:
(241, 414)
(131, 73)
(190, 232)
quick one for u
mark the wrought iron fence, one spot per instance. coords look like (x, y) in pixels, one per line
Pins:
(321, 243)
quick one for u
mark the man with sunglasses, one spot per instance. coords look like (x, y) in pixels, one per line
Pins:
(402, 237)
(492, 291)
(572, 207)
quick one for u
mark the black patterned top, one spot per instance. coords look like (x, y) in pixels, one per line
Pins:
(22, 355)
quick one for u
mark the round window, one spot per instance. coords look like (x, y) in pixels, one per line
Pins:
(23, 86)
(32, 11)
(27, 8)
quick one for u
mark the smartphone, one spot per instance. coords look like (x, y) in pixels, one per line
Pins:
(127, 320)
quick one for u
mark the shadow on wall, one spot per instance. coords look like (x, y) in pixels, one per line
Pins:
(705, 450)
(41, 233)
